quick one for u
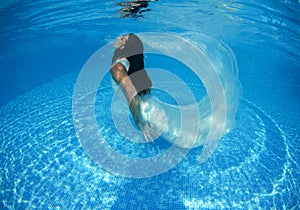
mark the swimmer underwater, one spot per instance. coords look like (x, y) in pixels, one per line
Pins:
(128, 71)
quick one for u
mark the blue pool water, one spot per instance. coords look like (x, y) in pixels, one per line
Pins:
(44, 45)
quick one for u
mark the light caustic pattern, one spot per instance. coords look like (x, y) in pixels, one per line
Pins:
(199, 123)
(44, 167)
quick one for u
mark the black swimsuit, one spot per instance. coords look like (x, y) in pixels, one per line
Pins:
(138, 75)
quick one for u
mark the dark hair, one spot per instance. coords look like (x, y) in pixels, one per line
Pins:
(133, 50)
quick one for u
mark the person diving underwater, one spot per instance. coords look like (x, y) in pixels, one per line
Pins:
(128, 71)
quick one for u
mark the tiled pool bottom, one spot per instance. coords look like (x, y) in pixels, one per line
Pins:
(43, 165)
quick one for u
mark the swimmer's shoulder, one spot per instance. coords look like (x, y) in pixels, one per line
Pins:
(122, 63)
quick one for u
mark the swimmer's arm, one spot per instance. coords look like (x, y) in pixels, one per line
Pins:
(120, 75)
(134, 107)
(118, 72)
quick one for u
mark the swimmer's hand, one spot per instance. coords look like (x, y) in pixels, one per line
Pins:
(147, 129)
